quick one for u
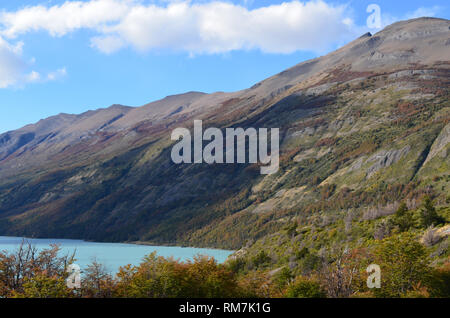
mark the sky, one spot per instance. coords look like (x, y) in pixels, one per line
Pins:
(67, 56)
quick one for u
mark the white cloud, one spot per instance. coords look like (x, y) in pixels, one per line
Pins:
(108, 43)
(11, 64)
(61, 19)
(193, 27)
(222, 27)
(59, 73)
(15, 71)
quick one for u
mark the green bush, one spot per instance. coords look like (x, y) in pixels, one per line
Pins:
(305, 288)
(283, 277)
(405, 265)
(261, 259)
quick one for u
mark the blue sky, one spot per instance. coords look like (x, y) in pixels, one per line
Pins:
(72, 56)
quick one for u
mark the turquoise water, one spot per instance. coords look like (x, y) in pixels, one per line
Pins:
(112, 255)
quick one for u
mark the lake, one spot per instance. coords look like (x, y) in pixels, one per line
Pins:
(112, 255)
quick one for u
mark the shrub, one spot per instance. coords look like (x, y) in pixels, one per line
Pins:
(430, 237)
(382, 230)
(283, 277)
(305, 288)
(310, 263)
(257, 284)
(261, 259)
(236, 264)
(42, 286)
(301, 253)
(440, 282)
(159, 277)
(404, 265)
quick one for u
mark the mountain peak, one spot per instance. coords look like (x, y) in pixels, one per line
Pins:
(415, 28)
(365, 35)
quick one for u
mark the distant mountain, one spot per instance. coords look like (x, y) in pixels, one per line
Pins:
(365, 126)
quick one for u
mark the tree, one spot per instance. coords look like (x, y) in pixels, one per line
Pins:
(261, 259)
(428, 214)
(310, 262)
(403, 218)
(43, 286)
(283, 277)
(208, 279)
(155, 277)
(97, 282)
(257, 284)
(161, 277)
(27, 268)
(404, 265)
(342, 276)
(291, 229)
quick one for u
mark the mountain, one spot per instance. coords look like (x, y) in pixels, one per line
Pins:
(361, 129)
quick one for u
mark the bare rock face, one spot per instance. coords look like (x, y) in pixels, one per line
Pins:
(440, 145)
(385, 158)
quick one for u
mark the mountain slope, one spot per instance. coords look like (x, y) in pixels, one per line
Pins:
(363, 127)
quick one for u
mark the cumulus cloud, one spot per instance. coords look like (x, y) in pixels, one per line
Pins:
(108, 43)
(15, 70)
(59, 20)
(11, 64)
(193, 27)
(222, 27)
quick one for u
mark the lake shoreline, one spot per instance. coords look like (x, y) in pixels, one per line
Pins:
(144, 243)
(147, 243)
(113, 254)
